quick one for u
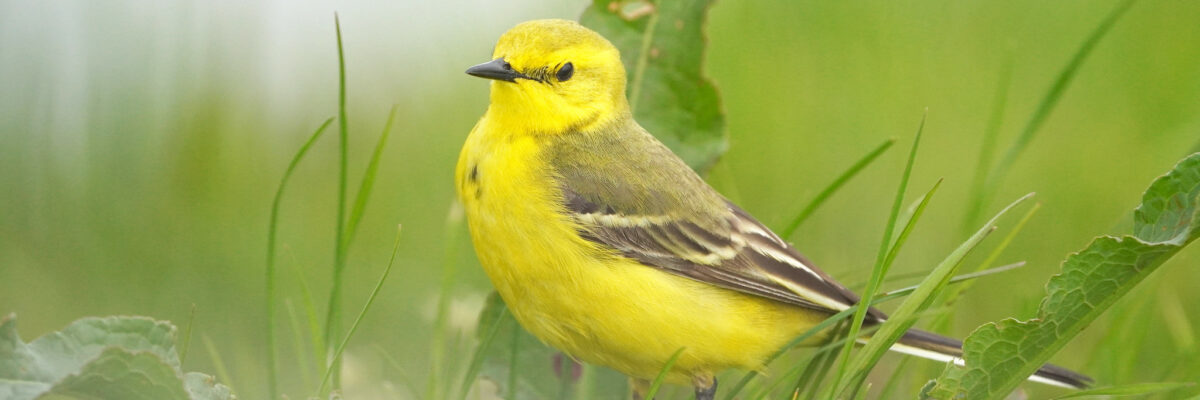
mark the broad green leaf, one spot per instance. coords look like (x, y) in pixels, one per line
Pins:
(999, 356)
(662, 46)
(120, 374)
(57, 354)
(1168, 210)
(99, 358)
(945, 387)
(524, 368)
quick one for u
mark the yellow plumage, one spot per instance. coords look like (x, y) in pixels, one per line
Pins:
(606, 245)
(592, 304)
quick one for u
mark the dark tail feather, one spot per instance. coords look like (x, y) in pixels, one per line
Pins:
(940, 348)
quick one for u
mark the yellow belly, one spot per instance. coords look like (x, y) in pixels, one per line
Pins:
(632, 318)
(595, 306)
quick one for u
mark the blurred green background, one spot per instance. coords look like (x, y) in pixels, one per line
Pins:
(141, 142)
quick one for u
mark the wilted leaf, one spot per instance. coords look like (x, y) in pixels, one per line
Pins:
(662, 46)
(999, 356)
(202, 386)
(99, 358)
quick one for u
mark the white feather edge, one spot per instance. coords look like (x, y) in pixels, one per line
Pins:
(720, 252)
(933, 355)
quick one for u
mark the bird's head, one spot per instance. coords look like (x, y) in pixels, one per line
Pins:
(554, 76)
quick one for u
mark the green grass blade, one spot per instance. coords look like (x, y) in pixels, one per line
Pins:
(437, 349)
(836, 318)
(1050, 100)
(662, 374)
(903, 237)
(881, 267)
(816, 371)
(952, 294)
(956, 279)
(1127, 325)
(819, 366)
(477, 357)
(819, 370)
(818, 328)
(796, 369)
(187, 335)
(333, 316)
(405, 380)
(218, 363)
(909, 225)
(983, 165)
(368, 181)
(905, 216)
(942, 322)
(272, 229)
(370, 300)
(823, 369)
(1179, 326)
(454, 353)
(826, 324)
(319, 350)
(514, 349)
(833, 187)
(862, 394)
(1136, 389)
(962, 278)
(799, 367)
(298, 341)
(902, 319)
(892, 383)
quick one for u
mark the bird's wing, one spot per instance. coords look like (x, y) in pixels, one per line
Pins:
(740, 254)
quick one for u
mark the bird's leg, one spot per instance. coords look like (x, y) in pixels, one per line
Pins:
(706, 386)
(640, 386)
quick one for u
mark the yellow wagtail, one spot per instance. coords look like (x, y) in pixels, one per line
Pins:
(606, 246)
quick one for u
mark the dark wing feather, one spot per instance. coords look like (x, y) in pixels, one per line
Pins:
(741, 255)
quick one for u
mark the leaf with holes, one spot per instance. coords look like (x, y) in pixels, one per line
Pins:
(662, 46)
(999, 356)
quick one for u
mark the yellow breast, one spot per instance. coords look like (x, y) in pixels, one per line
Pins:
(589, 303)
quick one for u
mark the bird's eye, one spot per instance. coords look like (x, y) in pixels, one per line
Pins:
(565, 72)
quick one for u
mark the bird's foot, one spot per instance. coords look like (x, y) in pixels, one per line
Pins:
(706, 387)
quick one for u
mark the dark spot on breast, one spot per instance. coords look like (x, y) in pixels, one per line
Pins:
(473, 177)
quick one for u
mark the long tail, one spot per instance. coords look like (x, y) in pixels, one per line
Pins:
(940, 348)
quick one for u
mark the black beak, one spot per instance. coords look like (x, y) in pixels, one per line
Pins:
(497, 69)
